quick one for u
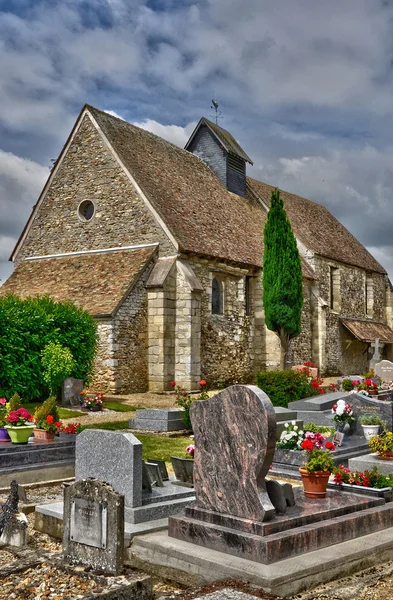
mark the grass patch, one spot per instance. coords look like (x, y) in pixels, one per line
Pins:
(120, 406)
(154, 446)
(63, 412)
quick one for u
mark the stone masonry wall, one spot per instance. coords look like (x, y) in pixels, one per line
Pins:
(227, 341)
(90, 172)
(122, 358)
(300, 348)
(339, 359)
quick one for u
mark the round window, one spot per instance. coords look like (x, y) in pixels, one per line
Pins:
(86, 210)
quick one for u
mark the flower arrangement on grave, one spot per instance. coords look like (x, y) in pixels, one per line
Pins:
(190, 450)
(47, 420)
(184, 399)
(343, 413)
(382, 444)
(93, 402)
(366, 386)
(371, 479)
(19, 418)
(291, 437)
(319, 466)
(347, 385)
(72, 428)
(315, 382)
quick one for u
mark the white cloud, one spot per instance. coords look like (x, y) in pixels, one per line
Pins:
(114, 114)
(172, 133)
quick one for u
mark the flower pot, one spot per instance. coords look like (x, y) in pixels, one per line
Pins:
(315, 483)
(370, 431)
(343, 427)
(43, 435)
(20, 435)
(94, 408)
(4, 437)
(386, 455)
(372, 392)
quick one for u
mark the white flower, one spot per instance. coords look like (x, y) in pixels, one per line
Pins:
(293, 422)
(301, 432)
(296, 428)
(286, 425)
(340, 410)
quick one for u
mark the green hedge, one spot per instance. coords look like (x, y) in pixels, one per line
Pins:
(26, 327)
(285, 386)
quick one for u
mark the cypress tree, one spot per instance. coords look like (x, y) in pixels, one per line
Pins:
(282, 276)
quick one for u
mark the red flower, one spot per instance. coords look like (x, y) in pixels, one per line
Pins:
(330, 446)
(49, 419)
(173, 383)
(202, 382)
(58, 424)
(307, 445)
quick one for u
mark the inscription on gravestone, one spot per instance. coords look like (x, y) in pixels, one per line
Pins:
(89, 522)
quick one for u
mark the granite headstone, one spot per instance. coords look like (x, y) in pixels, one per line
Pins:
(384, 370)
(71, 391)
(114, 457)
(94, 526)
(235, 438)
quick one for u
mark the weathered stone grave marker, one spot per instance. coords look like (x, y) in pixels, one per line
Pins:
(384, 370)
(71, 391)
(376, 356)
(94, 526)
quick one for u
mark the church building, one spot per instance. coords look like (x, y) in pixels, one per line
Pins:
(164, 247)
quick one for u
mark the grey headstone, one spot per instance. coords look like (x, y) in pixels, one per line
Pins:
(71, 391)
(114, 457)
(366, 405)
(146, 481)
(93, 532)
(384, 370)
(183, 469)
(235, 439)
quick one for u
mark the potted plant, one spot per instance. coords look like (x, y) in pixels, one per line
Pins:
(347, 385)
(382, 444)
(318, 468)
(92, 403)
(371, 425)
(291, 437)
(20, 426)
(369, 482)
(47, 422)
(4, 437)
(343, 416)
(367, 387)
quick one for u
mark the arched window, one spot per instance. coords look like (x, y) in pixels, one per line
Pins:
(217, 297)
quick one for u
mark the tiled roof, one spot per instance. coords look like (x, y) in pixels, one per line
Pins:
(369, 331)
(196, 207)
(96, 281)
(319, 231)
(225, 138)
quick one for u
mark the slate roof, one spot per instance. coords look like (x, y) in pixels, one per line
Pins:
(96, 281)
(224, 137)
(196, 207)
(369, 331)
(319, 230)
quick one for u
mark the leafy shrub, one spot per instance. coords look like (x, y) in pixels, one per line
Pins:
(57, 363)
(184, 399)
(285, 386)
(47, 408)
(26, 327)
(347, 385)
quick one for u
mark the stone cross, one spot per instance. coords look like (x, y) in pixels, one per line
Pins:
(375, 345)
(235, 438)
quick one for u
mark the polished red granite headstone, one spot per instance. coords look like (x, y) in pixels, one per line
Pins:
(235, 437)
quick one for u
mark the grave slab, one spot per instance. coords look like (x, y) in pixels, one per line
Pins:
(384, 370)
(369, 461)
(317, 403)
(158, 419)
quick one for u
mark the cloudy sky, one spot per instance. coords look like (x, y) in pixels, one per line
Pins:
(306, 87)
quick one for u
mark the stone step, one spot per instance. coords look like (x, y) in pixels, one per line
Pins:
(36, 456)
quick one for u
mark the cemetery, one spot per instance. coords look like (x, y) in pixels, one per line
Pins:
(233, 505)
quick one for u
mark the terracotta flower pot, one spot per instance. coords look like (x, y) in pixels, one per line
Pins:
(373, 392)
(315, 483)
(386, 455)
(43, 435)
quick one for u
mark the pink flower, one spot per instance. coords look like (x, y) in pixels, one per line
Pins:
(3, 401)
(190, 449)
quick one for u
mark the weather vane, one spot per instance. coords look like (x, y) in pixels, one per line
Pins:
(218, 112)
